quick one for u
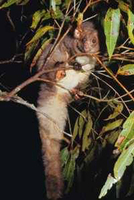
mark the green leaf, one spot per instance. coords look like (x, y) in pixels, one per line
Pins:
(79, 124)
(39, 52)
(46, 16)
(123, 6)
(33, 44)
(8, 3)
(130, 26)
(126, 70)
(86, 141)
(30, 50)
(66, 3)
(58, 13)
(68, 171)
(91, 154)
(111, 126)
(40, 32)
(58, 2)
(124, 160)
(53, 5)
(75, 131)
(64, 156)
(111, 29)
(22, 2)
(37, 17)
(112, 137)
(117, 111)
(127, 133)
(108, 185)
(79, 19)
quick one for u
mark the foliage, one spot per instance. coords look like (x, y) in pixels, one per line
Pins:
(104, 117)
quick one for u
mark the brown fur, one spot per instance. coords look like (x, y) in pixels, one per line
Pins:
(53, 101)
(51, 132)
(84, 42)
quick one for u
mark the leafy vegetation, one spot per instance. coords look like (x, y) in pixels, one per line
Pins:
(98, 147)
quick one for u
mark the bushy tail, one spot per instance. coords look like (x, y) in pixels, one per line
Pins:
(52, 163)
(51, 126)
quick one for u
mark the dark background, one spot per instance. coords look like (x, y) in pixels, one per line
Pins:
(21, 168)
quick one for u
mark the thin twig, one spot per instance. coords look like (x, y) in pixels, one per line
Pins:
(89, 4)
(10, 20)
(12, 60)
(115, 78)
(114, 91)
(89, 18)
(21, 101)
(56, 43)
(103, 99)
(31, 80)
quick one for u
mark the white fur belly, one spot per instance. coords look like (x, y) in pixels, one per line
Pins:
(56, 112)
(73, 78)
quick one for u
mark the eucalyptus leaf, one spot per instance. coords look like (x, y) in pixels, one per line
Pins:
(32, 46)
(90, 154)
(124, 160)
(86, 141)
(68, 172)
(111, 29)
(111, 126)
(126, 70)
(82, 121)
(40, 32)
(22, 2)
(127, 133)
(30, 51)
(112, 137)
(79, 124)
(66, 3)
(39, 52)
(75, 131)
(130, 26)
(53, 5)
(64, 156)
(69, 168)
(8, 3)
(117, 111)
(108, 185)
(37, 17)
(58, 2)
(58, 13)
(46, 16)
(123, 6)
